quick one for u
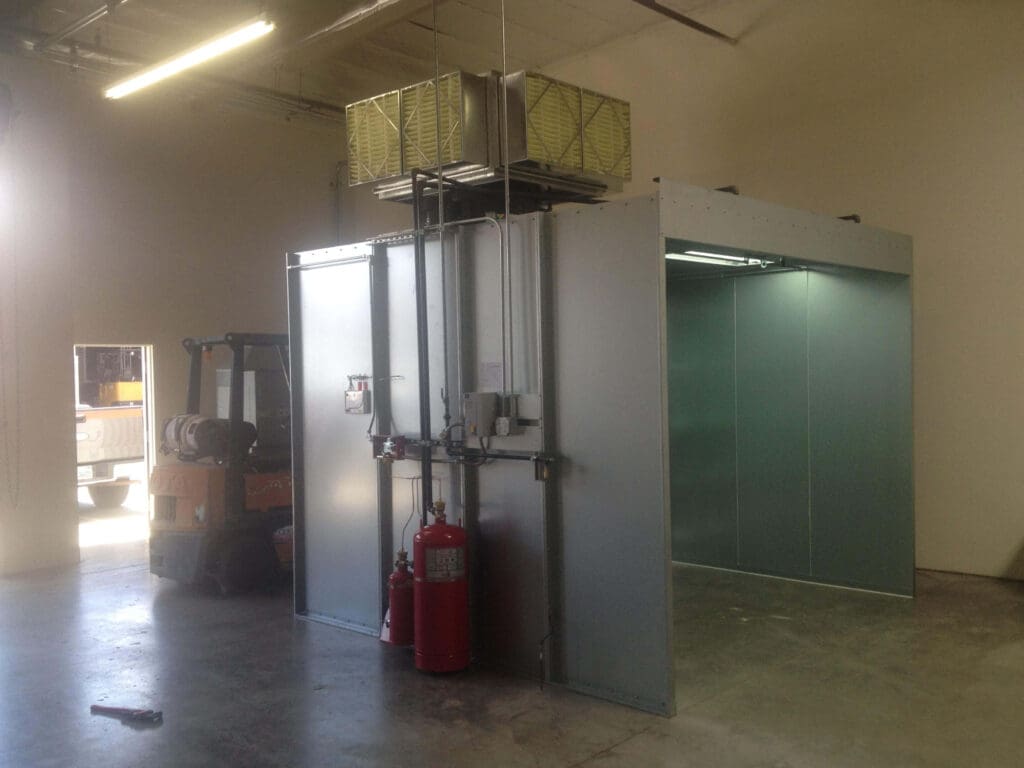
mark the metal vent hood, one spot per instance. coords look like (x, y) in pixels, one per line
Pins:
(561, 138)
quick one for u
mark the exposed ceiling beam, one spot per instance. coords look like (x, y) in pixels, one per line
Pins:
(675, 15)
(79, 24)
(354, 26)
(105, 62)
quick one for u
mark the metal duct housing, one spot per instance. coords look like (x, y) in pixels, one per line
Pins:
(560, 136)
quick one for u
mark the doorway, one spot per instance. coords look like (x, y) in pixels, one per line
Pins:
(113, 438)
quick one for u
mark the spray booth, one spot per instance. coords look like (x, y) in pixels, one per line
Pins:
(587, 414)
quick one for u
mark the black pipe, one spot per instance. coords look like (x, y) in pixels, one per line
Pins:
(471, 453)
(195, 376)
(422, 339)
(443, 180)
(672, 13)
(234, 480)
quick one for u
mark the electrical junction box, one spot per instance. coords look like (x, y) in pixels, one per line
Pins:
(479, 413)
(507, 424)
(357, 401)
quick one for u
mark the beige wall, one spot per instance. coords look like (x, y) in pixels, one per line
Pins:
(38, 517)
(164, 221)
(139, 222)
(910, 113)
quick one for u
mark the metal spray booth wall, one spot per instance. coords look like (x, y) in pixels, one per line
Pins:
(578, 566)
(556, 566)
(790, 413)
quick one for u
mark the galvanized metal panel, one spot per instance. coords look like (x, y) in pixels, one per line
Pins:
(702, 420)
(611, 378)
(706, 216)
(512, 612)
(405, 406)
(861, 430)
(771, 423)
(341, 569)
(404, 378)
(511, 609)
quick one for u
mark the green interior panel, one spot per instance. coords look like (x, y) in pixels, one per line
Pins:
(702, 421)
(862, 530)
(790, 417)
(771, 427)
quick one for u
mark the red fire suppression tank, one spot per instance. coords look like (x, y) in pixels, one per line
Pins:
(400, 607)
(442, 596)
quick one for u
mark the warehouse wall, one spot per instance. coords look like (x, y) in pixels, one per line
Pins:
(910, 114)
(138, 222)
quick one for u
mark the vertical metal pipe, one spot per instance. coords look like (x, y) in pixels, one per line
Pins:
(506, 276)
(422, 342)
(444, 336)
(234, 481)
(440, 215)
(195, 378)
(437, 126)
(297, 421)
(380, 339)
(339, 201)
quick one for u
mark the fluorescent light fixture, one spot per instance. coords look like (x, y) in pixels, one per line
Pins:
(718, 259)
(202, 53)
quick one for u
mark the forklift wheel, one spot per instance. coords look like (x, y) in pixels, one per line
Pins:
(245, 563)
(108, 496)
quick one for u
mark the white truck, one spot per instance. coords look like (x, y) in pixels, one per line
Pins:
(105, 437)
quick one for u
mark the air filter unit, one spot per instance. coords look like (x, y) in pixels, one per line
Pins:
(561, 137)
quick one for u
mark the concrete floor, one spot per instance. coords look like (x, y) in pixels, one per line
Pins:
(769, 673)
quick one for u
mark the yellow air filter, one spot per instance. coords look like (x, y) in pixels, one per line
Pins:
(374, 146)
(606, 136)
(553, 123)
(419, 123)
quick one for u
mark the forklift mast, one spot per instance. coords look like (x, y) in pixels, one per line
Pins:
(234, 491)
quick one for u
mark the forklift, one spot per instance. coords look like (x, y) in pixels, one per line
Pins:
(222, 514)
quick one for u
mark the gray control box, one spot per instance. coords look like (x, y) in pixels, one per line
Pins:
(357, 401)
(479, 412)
(507, 424)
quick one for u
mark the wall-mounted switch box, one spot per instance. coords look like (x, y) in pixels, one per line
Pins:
(479, 412)
(357, 401)
(507, 424)
(504, 426)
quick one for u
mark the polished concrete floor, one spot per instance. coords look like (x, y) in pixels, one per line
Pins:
(769, 673)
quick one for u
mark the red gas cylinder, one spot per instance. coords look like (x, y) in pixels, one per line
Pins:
(400, 607)
(441, 595)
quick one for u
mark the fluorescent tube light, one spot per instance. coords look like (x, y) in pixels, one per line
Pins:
(202, 53)
(718, 259)
(719, 256)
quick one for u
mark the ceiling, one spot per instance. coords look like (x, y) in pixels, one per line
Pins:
(326, 53)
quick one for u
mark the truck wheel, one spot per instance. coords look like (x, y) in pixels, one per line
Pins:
(108, 496)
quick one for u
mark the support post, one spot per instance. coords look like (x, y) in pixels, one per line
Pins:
(422, 346)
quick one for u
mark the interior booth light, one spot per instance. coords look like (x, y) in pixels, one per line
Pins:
(719, 259)
(212, 48)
